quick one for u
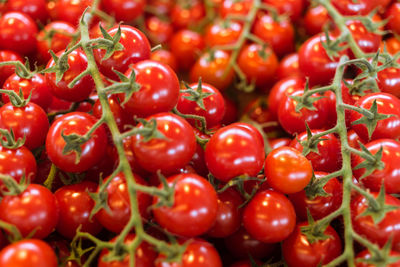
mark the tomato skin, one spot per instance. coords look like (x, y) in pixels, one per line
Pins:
(29, 121)
(214, 106)
(17, 163)
(287, 170)
(269, 217)
(75, 205)
(389, 81)
(92, 151)
(379, 233)
(124, 10)
(389, 174)
(289, 66)
(166, 57)
(28, 252)
(145, 255)
(292, 7)
(195, 206)
(392, 13)
(211, 67)
(18, 33)
(184, 16)
(179, 146)
(367, 41)
(232, 7)
(315, 18)
(70, 10)
(35, 208)
(349, 8)
(77, 61)
(157, 30)
(387, 104)
(257, 68)
(298, 251)
(198, 253)
(7, 71)
(136, 48)
(279, 142)
(222, 33)
(159, 89)
(233, 151)
(365, 254)
(36, 9)
(119, 203)
(320, 206)
(185, 45)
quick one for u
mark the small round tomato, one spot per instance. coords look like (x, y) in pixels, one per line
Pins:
(166, 57)
(18, 33)
(392, 13)
(55, 36)
(386, 104)
(7, 71)
(75, 205)
(124, 10)
(231, 112)
(234, 150)
(29, 122)
(349, 7)
(233, 7)
(298, 251)
(222, 33)
(77, 62)
(158, 30)
(365, 255)
(92, 151)
(70, 10)
(389, 81)
(18, 163)
(315, 18)
(28, 252)
(214, 105)
(136, 48)
(159, 89)
(279, 142)
(319, 206)
(293, 8)
(287, 170)
(289, 66)
(118, 202)
(178, 146)
(36, 9)
(259, 64)
(213, 68)
(184, 15)
(269, 217)
(198, 253)
(33, 210)
(195, 206)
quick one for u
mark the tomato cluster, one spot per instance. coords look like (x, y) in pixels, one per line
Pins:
(262, 131)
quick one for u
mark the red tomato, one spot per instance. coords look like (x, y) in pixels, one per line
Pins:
(75, 205)
(29, 121)
(293, 8)
(232, 7)
(195, 206)
(392, 13)
(298, 251)
(136, 48)
(119, 203)
(70, 10)
(28, 252)
(36, 9)
(233, 151)
(289, 66)
(93, 150)
(320, 206)
(389, 81)
(379, 233)
(348, 7)
(17, 163)
(315, 19)
(34, 209)
(124, 10)
(18, 33)
(269, 217)
(178, 146)
(386, 104)
(159, 89)
(188, 14)
(7, 71)
(198, 253)
(166, 57)
(365, 254)
(287, 170)
(157, 30)
(231, 112)
(222, 32)
(279, 142)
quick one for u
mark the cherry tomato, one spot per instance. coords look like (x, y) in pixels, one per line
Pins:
(269, 217)
(188, 14)
(195, 206)
(289, 66)
(28, 252)
(157, 30)
(178, 145)
(293, 8)
(36, 9)
(124, 10)
(34, 209)
(389, 81)
(365, 254)
(298, 251)
(315, 19)
(165, 57)
(392, 13)
(7, 71)
(348, 7)
(233, 151)
(18, 33)
(70, 10)
(279, 142)
(17, 163)
(92, 150)
(222, 33)
(232, 7)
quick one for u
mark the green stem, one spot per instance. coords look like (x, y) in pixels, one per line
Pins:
(50, 178)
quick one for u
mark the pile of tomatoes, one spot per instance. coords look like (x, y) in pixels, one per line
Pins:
(107, 136)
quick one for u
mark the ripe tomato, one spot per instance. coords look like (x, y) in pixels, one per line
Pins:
(187, 14)
(92, 151)
(298, 251)
(36, 9)
(69, 10)
(35, 209)
(289, 66)
(287, 170)
(279, 142)
(29, 121)
(234, 150)
(28, 252)
(320, 206)
(315, 18)
(389, 81)
(178, 146)
(379, 233)
(392, 13)
(77, 62)
(166, 57)
(195, 206)
(159, 89)
(293, 8)
(124, 10)
(348, 7)
(18, 33)
(198, 253)
(269, 217)
(222, 32)
(365, 254)
(119, 203)
(233, 7)
(136, 48)
(17, 163)
(7, 71)
(158, 30)
(75, 205)
(386, 104)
